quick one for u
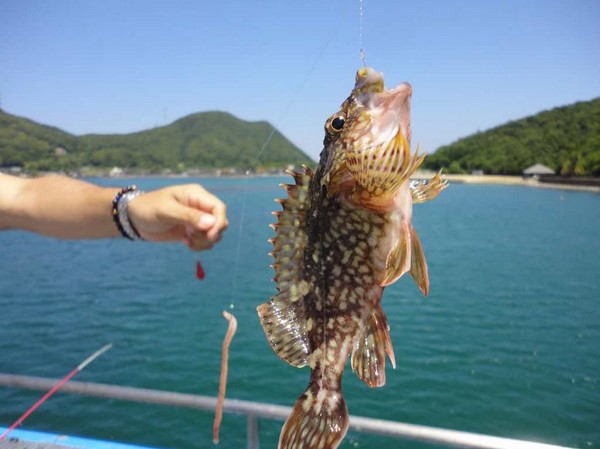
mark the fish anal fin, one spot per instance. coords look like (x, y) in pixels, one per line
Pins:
(319, 419)
(285, 326)
(398, 260)
(418, 265)
(368, 355)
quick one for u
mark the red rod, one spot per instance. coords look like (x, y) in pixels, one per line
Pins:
(53, 390)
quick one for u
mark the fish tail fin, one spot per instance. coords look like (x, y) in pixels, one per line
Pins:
(319, 419)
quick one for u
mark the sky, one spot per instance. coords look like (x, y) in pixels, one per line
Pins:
(118, 66)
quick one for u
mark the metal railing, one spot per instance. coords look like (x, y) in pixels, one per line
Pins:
(257, 410)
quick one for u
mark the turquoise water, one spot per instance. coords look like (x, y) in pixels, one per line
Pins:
(506, 343)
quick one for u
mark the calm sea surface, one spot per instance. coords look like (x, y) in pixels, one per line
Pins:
(507, 343)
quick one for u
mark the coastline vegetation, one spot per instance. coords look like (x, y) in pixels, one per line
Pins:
(566, 139)
(202, 142)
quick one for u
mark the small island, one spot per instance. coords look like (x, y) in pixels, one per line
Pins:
(207, 143)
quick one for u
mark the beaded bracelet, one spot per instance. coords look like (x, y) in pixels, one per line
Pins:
(119, 212)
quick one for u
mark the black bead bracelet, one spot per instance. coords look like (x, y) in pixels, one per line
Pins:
(119, 213)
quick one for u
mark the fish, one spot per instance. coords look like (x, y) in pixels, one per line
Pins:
(343, 234)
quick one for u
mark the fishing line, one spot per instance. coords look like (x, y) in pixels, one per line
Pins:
(293, 99)
(361, 51)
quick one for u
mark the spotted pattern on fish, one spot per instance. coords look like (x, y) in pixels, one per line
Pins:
(344, 233)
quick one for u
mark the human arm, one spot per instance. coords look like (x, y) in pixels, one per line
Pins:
(62, 207)
(56, 206)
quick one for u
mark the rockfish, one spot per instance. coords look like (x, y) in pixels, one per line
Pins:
(344, 234)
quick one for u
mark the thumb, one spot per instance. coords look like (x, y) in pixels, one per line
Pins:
(191, 217)
(206, 221)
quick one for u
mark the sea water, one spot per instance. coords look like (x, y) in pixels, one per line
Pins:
(506, 344)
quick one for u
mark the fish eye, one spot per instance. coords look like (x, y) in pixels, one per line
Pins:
(338, 123)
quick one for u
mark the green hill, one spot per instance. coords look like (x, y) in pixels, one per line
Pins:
(204, 141)
(566, 139)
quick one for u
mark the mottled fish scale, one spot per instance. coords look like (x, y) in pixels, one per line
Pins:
(343, 234)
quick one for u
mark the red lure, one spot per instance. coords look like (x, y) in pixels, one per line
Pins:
(200, 274)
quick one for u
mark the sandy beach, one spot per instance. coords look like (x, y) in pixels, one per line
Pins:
(508, 180)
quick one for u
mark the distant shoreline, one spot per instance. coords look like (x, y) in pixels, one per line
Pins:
(452, 179)
(510, 180)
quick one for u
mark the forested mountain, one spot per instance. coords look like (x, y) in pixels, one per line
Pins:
(566, 139)
(207, 140)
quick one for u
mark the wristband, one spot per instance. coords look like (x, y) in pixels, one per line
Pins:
(120, 212)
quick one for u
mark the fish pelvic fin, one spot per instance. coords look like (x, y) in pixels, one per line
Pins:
(398, 260)
(407, 256)
(319, 420)
(368, 354)
(423, 191)
(285, 326)
(418, 265)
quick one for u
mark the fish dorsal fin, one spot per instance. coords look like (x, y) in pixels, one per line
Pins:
(283, 318)
(368, 354)
(423, 191)
(291, 239)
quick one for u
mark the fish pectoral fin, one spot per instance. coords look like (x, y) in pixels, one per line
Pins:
(318, 420)
(422, 192)
(398, 260)
(418, 265)
(284, 323)
(383, 169)
(368, 354)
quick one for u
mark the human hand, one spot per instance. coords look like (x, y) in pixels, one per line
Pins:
(187, 213)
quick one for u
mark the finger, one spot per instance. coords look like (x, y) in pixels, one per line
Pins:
(194, 235)
(221, 223)
(214, 222)
(192, 219)
(196, 196)
(206, 222)
(198, 244)
(201, 199)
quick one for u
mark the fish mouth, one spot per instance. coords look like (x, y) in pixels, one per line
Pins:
(380, 160)
(393, 107)
(389, 109)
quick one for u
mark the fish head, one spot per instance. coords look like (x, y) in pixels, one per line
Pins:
(366, 156)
